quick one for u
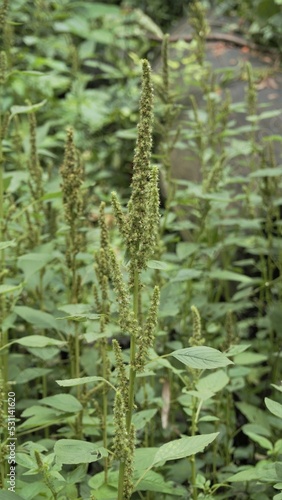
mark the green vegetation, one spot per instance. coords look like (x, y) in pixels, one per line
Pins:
(143, 343)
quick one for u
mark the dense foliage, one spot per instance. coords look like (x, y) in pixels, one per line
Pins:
(144, 349)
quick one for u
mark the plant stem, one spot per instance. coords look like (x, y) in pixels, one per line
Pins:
(132, 371)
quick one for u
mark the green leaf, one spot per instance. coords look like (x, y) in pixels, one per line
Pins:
(31, 374)
(40, 319)
(267, 172)
(74, 451)
(40, 416)
(237, 349)
(261, 440)
(6, 244)
(157, 264)
(38, 341)
(229, 276)
(213, 382)
(10, 495)
(184, 447)
(105, 492)
(31, 263)
(273, 407)
(63, 402)
(254, 414)
(78, 312)
(10, 288)
(79, 381)
(141, 418)
(184, 250)
(155, 482)
(249, 358)
(201, 357)
(187, 274)
(15, 110)
(249, 474)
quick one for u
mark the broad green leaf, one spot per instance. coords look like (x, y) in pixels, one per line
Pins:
(214, 382)
(31, 374)
(249, 474)
(40, 416)
(105, 492)
(141, 418)
(229, 276)
(45, 353)
(155, 482)
(38, 341)
(249, 358)
(143, 458)
(184, 447)
(263, 472)
(74, 451)
(273, 407)
(40, 319)
(10, 288)
(63, 402)
(202, 358)
(76, 309)
(237, 349)
(31, 263)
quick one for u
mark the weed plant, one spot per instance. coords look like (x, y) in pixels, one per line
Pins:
(140, 370)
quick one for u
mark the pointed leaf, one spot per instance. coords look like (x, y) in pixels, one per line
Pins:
(184, 447)
(274, 407)
(201, 357)
(38, 341)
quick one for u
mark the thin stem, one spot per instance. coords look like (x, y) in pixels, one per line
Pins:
(132, 371)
